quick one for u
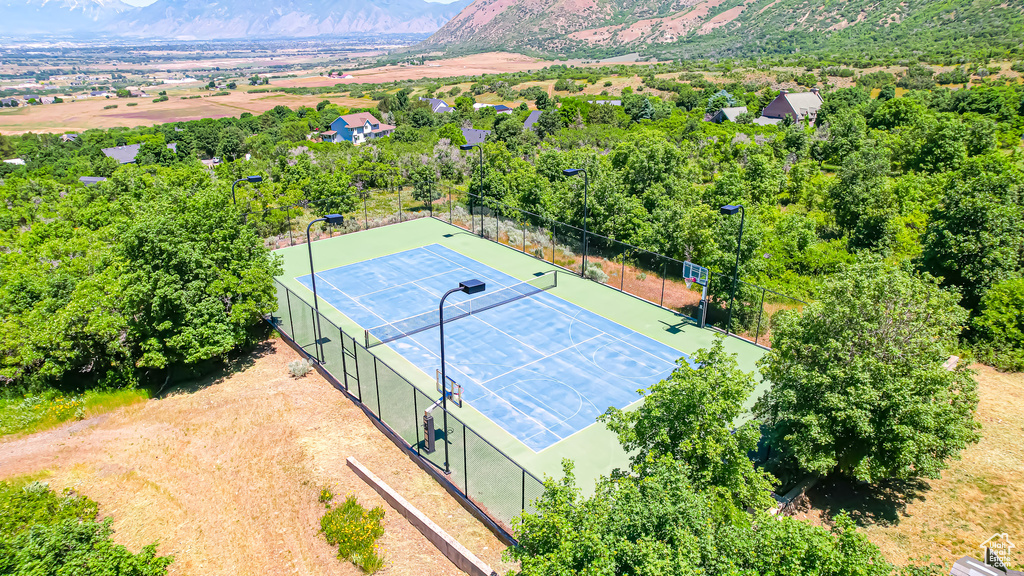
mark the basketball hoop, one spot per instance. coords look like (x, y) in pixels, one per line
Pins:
(689, 281)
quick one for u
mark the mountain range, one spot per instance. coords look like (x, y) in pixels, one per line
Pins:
(224, 19)
(688, 28)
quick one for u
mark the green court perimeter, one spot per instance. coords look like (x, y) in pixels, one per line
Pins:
(595, 450)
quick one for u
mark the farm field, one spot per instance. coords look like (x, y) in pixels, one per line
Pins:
(85, 114)
(226, 474)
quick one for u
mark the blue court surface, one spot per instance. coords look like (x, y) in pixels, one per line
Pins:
(540, 367)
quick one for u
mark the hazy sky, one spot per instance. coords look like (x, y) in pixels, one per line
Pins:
(148, 2)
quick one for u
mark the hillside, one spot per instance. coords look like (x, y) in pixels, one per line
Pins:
(707, 28)
(28, 17)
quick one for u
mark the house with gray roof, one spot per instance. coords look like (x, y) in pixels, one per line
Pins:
(798, 106)
(437, 105)
(729, 114)
(127, 154)
(474, 136)
(531, 120)
(91, 180)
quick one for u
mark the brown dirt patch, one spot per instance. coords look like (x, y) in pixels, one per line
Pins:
(978, 495)
(226, 477)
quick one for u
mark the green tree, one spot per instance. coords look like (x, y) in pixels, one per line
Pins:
(862, 200)
(660, 524)
(999, 326)
(194, 279)
(452, 133)
(858, 383)
(690, 417)
(975, 234)
(549, 123)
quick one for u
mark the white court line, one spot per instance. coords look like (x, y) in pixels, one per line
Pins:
(357, 302)
(393, 286)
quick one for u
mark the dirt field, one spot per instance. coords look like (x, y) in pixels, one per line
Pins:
(979, 495)
(226, 476)
(84, 114)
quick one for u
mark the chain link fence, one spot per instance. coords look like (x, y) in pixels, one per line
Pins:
(653, 277)
(486, 476)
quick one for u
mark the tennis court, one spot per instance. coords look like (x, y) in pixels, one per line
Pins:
(538, 366)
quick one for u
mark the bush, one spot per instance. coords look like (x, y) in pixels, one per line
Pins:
(133, 104)
(43, 533)
(596, 273)
(163, 98)
(299, 368)
(355, 530)
(110, 106)
(1000, 326)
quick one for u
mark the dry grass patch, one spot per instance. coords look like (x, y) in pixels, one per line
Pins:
(226, 475)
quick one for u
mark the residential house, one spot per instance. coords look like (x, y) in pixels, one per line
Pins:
(799, 106)
(138, 94)
(127, 154)
(328, 135)
(30, 97)
(9, 103)
(608, 102)
(91, 180)
(437, 105)
(502, 109)
(729, 114)
(531, 120)
(358, 128)
(69, 137)
(474, 136)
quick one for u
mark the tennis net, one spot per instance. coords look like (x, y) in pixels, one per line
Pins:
(455, 310)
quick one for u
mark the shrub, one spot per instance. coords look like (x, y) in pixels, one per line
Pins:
(110, 106)
(326, 496)
(538, 252)
(133, 104)
(355, 530)
(163, 97)
(45, 533)
(596, 273)
(299, 368)
(1000, 326)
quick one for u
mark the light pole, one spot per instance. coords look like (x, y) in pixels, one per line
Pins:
(253, 179)
(469, 287)
(729, 210)
(573, 172)
(330, 219)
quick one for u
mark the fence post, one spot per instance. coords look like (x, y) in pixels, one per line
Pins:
(376, 385)
(366, 220)
(664, 271)
(344, 369)
(622, 273)
(291, 323)
(757, 333)
(399, 205)
(291, 240)
(416, 418)
(524, 236)
(465, 466)
(449, 204)
(523, 492)
(359, 380)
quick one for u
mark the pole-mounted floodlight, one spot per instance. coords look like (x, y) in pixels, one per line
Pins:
(252, 179)
(573, 172)
(330, 219)
(729, 210)
(473, 286)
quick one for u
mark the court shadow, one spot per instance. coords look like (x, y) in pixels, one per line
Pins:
(675, 328)
(882, 504)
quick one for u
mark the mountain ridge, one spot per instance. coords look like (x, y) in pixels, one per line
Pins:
(709, 28)
(226, 19)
